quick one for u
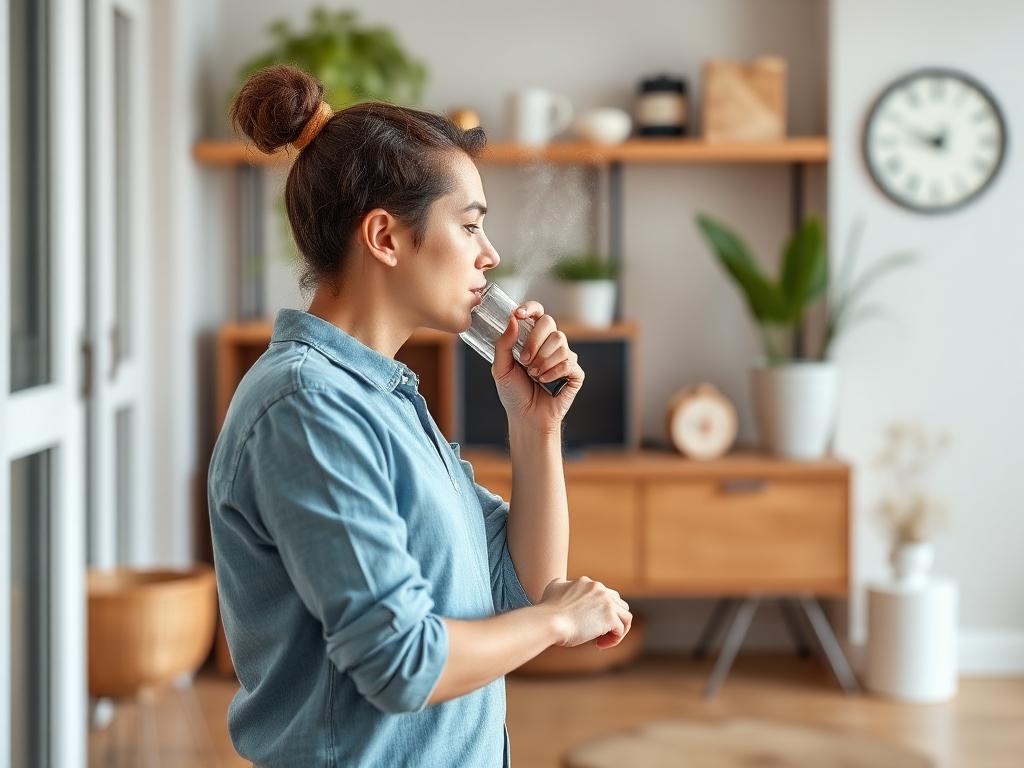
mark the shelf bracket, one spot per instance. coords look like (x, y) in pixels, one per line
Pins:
(797, 212)
(615, 230)
(251, 247)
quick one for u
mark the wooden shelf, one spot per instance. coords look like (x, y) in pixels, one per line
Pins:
(796, 149)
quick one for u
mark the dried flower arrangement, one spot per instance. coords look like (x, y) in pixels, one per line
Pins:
(909, 513)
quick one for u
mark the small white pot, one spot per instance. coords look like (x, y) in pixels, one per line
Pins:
(795, 405)
(603, 126)
(912, 562)
(589, 302)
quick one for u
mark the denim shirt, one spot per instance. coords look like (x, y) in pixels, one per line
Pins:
(344, 526)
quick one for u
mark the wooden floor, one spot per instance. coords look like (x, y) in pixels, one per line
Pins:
(982, 728)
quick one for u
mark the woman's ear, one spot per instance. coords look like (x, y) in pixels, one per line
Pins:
(378, 232)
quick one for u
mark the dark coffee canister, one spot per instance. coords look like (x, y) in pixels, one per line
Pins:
(661, 107)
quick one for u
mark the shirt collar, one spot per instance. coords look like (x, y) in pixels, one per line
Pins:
(350, 353)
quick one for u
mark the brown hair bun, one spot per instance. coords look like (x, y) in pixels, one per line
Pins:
(275, 104)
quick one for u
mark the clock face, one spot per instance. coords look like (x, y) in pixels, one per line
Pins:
(934, 140)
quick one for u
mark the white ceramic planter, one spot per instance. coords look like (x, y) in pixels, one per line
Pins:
(589, 302)
(795, 405)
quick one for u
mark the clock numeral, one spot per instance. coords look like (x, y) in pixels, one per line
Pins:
(894, 165)
(935, 191)
(937, 88)
(960, 184)
(912, 183)
(912, 98)
(980, 163)
(981, 115)
(987, 140)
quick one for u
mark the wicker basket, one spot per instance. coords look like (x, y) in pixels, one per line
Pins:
(148, 627)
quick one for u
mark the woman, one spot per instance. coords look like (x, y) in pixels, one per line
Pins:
(372, 594)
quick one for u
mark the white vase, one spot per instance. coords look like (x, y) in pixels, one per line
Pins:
(795, 405)
(589, 302)
(912, 562)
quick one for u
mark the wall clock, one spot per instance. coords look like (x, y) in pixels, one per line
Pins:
(934, 140)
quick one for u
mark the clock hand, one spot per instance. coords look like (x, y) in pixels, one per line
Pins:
(935, 141)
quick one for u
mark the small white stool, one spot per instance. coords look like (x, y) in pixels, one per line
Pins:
(912, 653)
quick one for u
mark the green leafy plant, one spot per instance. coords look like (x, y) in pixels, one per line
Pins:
(584, 265)
(778, 306)
(355, 63)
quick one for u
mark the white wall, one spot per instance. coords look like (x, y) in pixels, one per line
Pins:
(949, 354)
(189, 268)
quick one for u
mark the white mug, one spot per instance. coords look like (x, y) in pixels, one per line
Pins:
(536, 115)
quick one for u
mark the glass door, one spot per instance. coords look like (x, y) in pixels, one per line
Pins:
(42, 487)
(116, 280)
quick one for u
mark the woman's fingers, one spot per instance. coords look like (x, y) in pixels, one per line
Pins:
(543, 327)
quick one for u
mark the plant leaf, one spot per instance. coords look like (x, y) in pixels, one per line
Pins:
(765, 300)
(804, 267)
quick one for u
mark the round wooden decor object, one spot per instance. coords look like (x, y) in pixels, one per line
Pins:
(741, 743)
(701, 422)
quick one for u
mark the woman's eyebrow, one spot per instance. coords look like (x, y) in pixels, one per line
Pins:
(477, 206)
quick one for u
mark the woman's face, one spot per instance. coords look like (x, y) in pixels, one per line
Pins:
(454, 254)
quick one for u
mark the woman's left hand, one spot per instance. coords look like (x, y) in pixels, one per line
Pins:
(546, 352)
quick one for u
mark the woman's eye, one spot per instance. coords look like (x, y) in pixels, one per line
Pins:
(472, 228)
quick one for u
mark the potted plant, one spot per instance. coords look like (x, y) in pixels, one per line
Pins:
(908, 512)
(795, 392)
(588, 282)
(355, 63)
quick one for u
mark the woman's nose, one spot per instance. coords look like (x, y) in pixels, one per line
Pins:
(491, 259)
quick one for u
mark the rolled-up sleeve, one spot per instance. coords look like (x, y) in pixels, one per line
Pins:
(332, 514)
(506, 588)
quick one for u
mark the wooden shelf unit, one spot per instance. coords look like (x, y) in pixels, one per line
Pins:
(648, 522)
(654, 523)
(794, 149)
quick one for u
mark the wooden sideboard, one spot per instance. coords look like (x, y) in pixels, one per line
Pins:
(647, 522)
(651, 522)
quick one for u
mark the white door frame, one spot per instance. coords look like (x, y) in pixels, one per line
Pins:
(51, 416)
(117, 380)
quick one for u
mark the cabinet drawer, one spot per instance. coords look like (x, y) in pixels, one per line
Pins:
(747, 535)
(603, 529)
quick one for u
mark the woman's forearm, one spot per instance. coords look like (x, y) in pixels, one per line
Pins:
(538, 521)
(483, 650)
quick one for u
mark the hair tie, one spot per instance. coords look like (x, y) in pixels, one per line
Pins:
(314, 125)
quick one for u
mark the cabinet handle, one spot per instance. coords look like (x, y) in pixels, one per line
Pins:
(742, 485)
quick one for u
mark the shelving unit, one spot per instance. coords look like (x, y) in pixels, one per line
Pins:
(650, 522)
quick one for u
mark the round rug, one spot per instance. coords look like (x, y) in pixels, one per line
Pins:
(740, 743)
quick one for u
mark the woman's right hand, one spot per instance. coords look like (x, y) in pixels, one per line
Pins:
(587, 610)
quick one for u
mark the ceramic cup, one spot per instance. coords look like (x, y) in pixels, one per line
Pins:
(537, 115)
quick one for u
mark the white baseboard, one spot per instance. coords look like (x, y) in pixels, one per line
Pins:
(996, 652)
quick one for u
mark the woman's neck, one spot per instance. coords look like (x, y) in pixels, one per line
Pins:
(367, 315)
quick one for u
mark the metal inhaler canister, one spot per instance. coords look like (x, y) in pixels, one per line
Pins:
(489, 321)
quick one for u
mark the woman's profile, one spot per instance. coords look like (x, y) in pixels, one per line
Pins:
(373, 595)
